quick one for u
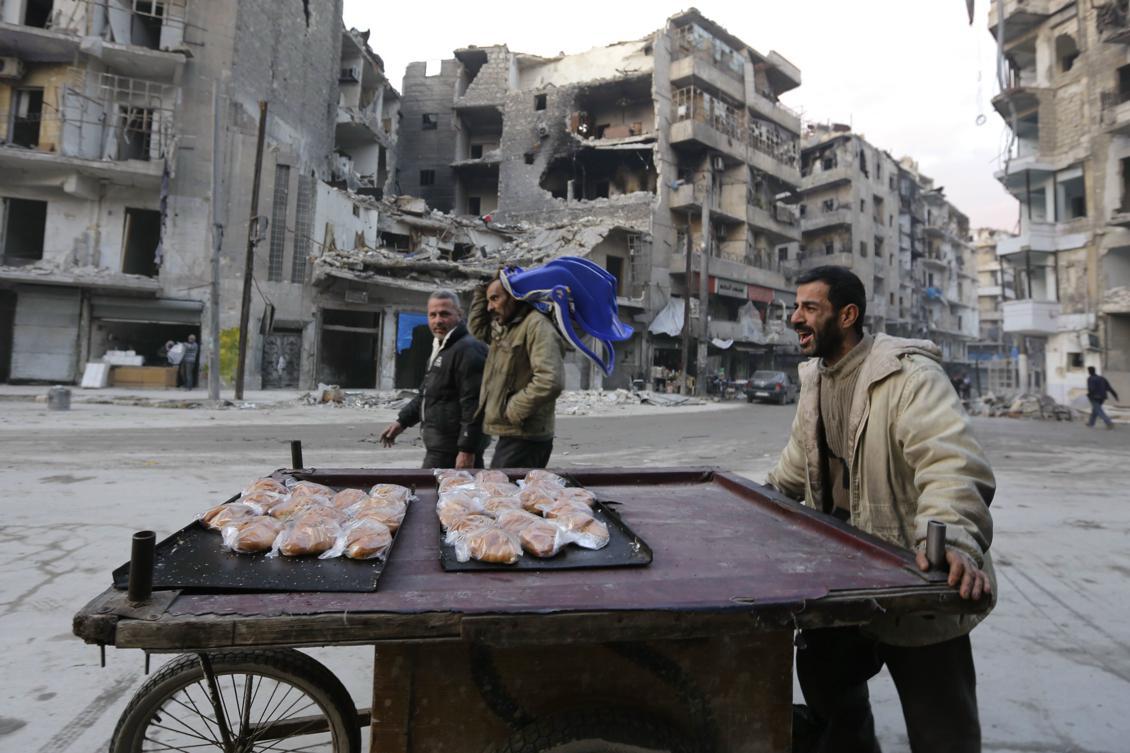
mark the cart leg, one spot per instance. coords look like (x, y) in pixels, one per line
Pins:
(217, 705)
(394, 672)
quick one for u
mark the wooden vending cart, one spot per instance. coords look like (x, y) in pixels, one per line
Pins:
(692, 652)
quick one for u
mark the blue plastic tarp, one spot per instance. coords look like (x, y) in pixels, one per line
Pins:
(406, 321)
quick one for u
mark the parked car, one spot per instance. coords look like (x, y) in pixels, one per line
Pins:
(771, 385)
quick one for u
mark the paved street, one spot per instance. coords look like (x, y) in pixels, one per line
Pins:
(1053, 660)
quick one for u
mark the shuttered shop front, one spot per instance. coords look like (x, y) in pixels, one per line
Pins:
(45, 335)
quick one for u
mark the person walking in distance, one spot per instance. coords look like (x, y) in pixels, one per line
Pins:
(880, 441)
(1097, 389)
(447, 403)
(524, 374)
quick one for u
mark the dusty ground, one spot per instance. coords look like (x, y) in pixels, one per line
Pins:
(1053, 660)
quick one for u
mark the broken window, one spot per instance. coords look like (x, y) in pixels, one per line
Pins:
(140, 240)
(27, 117)
(427, 177)
(23, 224)
(1066, 52)
(615, 267)
(145, 27)
(1071, 196)
(38, 13)
(476, 151)
(278, 223)
(136, 134)
(592, 174)
(429, 121)
(1075, 360)
(397, 241)
(540, 101)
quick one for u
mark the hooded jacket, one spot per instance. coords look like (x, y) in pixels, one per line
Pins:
(524, 372)
(913, 458)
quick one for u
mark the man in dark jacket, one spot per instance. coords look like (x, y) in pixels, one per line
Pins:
(1097, 389)
(448, 400)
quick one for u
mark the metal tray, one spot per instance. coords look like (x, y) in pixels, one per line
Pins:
(625, 549)
(193, 560)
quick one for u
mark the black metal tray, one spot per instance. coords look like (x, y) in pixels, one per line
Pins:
(625, 549)
(193, 560)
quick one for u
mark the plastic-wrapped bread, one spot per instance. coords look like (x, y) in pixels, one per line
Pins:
(465, 526)
(583, 529)
(269, 485)
(291, 506)
(559, 507)
(492, 545)
(497, 488)
(310, 489)
(221, 515)
(262, 500)
(367, 539)
(254, 534)
(391, 516)
(577, 494)
(516, 521)
(307, 534)
(347, 498)
(495, 505)
(392, 493)
(542, 539)
(533, 498)
(491, 477)
(449, 479)
(455, 505)
(538, 476)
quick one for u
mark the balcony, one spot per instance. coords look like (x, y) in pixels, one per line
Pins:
(1022, 172)
(1025, 98)
(357, 126)
(729, 269)
(76, 175)
(1020, 17)
(1030, 317)
(842, 259)
(1120, 217)
(770, 109)
(827, 178)
(693, 69)
(1040, 237)
(1115, 113)
(832, 218)
(780, 225)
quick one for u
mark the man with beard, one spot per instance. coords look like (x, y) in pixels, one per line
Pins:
(447, 404)
(880, 441)
(524, 374)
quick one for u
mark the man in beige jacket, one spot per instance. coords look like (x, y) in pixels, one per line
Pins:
(523, 375)
(881, 442)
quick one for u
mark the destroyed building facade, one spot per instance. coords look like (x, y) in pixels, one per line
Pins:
(674, 139)
(1064, 89)
(108, 139)
(888, 223)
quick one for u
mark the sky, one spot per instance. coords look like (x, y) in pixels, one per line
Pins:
(911, 76)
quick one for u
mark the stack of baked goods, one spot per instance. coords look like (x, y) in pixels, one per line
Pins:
(296, 519)
(487, 518)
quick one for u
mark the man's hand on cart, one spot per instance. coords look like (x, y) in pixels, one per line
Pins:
(963, 570)
(391, 432)
(465, 460)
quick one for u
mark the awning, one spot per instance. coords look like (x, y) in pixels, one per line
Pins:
(146, 310)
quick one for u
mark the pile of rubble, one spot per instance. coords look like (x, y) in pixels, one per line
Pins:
(570, 403)
(1024, 405)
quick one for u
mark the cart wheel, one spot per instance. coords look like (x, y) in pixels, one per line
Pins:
(598, 731)
(278, 700)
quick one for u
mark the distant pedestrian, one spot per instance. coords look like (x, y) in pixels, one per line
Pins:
(188, 363)
(1097, 389)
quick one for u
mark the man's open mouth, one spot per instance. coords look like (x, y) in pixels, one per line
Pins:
(805, 337)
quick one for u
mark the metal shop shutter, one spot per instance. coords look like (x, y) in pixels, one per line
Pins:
(45, 337)
(146, 310)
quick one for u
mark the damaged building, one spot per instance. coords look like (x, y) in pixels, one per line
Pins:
(888, 223)
(124, 123)
(1064, 89)
(674, 140)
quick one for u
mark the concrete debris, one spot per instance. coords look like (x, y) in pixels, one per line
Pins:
(1025, 405)
(599, 402)
(339, 398)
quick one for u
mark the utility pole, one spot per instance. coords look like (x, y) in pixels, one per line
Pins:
(704, 280)
(248, 265)
(217, 244)
(686, 365)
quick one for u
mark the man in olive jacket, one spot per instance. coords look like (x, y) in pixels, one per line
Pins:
(447, 405)
(524, 374)
(881, 442)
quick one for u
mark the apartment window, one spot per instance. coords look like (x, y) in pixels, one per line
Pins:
(476, 151)
(23, 225)
(1066, 52)
(782, 253)
(304, 226)
(615, 267)
(279, 200)
(863, 249)
(540, 101)
(38, 13)
(890, 220)
(427, 177)
(1075, 360)
(145, 26)
(829, 205)
(829, 248)
(891, 182)
(430, 121)
(828, 163)
(135, 133)
(891, 298)
(26, 117)
(1071, 195)
(863, 205)
(802, 209)
(474, 205)
(139, 242)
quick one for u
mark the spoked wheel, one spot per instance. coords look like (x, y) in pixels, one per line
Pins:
(239, 701)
